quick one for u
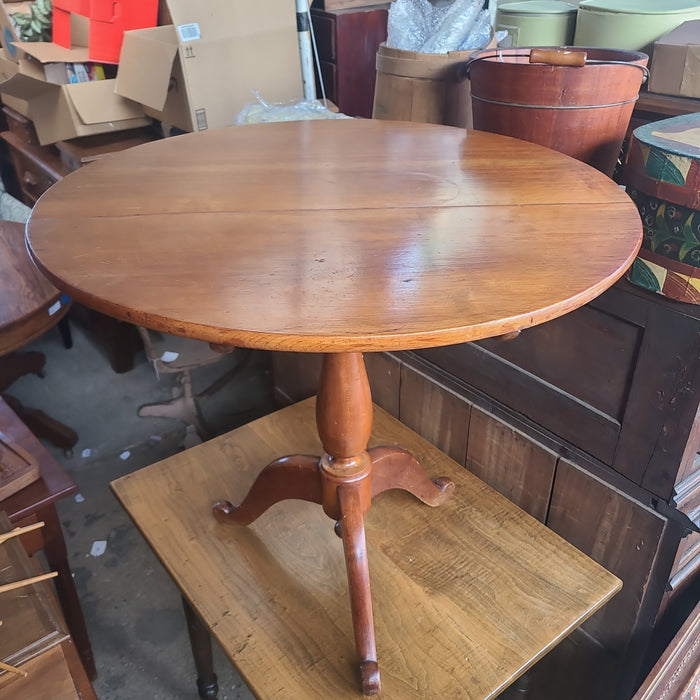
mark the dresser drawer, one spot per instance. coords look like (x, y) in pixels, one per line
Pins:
(330, 81)
(37, 167)
(325, 34)
(19, 125)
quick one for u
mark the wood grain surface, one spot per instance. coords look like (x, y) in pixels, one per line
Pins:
(26, 296)
(335, 235)
(466, 596)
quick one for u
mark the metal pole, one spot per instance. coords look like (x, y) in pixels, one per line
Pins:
(305, 52)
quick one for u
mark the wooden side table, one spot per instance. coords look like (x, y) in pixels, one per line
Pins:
(36, 503)
(29, 306)
(469, 595)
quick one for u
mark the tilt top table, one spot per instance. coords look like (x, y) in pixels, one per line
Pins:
(341, 237)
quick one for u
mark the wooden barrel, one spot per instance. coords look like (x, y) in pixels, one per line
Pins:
(662, 176)
(423, 87)
(582, 111)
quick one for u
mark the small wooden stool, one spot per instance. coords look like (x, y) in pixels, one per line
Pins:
(467, 596)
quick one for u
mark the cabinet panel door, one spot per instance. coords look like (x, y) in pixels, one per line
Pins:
(622, 535)
(384, 374)
(295, 375)
(511, 462)
(562, 413)
(434, 412)
(588, 354)
(663, 402)
(358, 35)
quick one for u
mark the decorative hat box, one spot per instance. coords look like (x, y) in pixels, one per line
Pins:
(662, 175)
(630, 24)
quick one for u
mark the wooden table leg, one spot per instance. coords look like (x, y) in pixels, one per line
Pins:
(200, 641)
(42, 425)
(17, 364)
(342, 481)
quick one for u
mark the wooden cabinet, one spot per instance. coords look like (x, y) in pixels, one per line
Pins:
(36, 167)
(347, 42)
(588, 422)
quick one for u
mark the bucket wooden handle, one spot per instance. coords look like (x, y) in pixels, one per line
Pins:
(577, 59)
(552, 57)
(558, 57)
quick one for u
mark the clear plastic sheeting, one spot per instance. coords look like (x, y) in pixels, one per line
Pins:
(437, 26)
(261, 111)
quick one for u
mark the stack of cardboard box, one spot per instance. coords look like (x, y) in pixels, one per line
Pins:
(196, 73)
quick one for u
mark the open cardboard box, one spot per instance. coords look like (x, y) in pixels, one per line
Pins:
(675, 66)
(59, 112)
(103, 21)
(199, 72)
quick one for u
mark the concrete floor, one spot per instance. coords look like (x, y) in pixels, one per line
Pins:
(132, 609)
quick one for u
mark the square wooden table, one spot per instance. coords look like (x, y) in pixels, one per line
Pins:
(467, 596)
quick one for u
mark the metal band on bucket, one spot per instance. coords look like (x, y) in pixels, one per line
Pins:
(524, 106)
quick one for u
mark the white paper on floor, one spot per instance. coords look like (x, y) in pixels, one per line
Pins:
(98, 548)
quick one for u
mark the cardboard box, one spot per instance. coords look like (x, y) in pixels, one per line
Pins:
(199, 72)
(59, 112)
(675, 66)
(103, 21)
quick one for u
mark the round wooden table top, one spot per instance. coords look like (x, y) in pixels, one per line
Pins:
(29, 303)
(335, 235)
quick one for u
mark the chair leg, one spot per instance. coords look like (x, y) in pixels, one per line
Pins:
(183, 408)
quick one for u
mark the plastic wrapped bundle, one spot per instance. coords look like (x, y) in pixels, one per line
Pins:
(438, 26)
(409, 24)
(458, 22)
(480, 35)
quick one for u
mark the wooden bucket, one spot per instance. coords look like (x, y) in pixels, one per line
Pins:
(423, 87)
(581, 110)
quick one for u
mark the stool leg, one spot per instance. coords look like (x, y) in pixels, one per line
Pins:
(200, 641)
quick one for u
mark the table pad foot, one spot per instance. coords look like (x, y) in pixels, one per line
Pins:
(288, 477)
(396, 468)
(369, 675)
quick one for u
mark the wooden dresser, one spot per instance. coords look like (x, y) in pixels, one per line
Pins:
(347, 42)
(590, 423)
